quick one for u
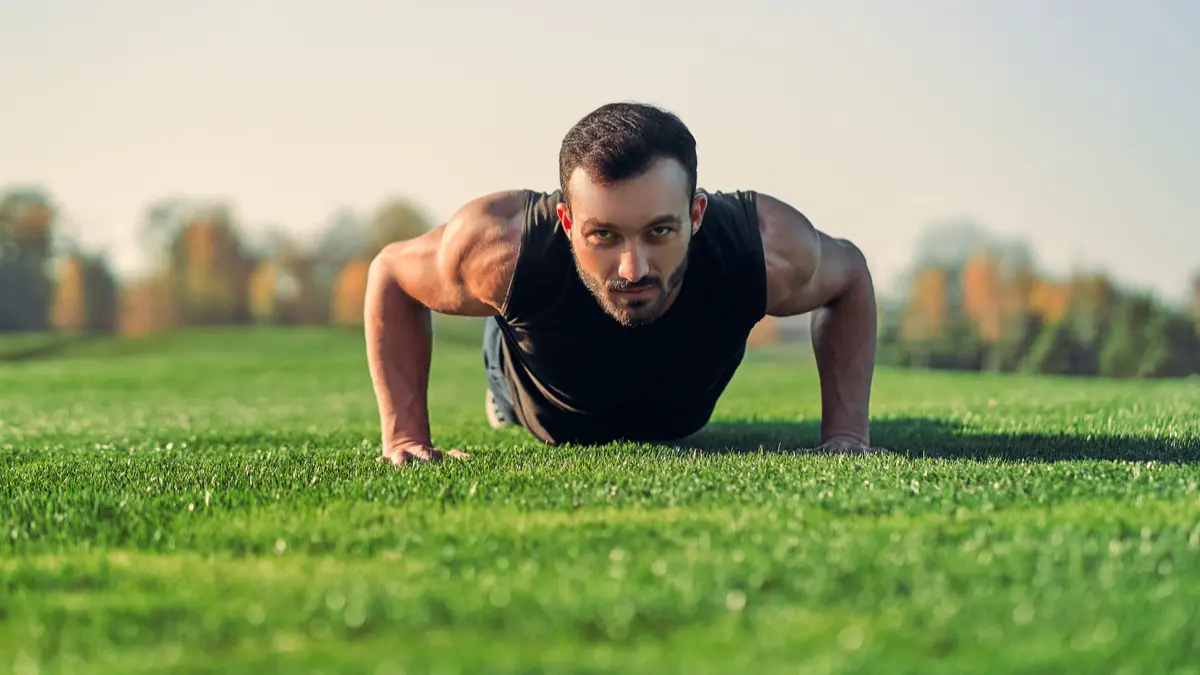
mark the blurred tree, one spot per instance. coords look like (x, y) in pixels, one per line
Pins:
(69, 312)
(199, 256)
(928, 306)
(282, 289)
(348, 246)
(952, 245)
(891, 350)
(1125, 343)
(1091, 301)
(959, 347)
(765, 332)
(1196, 301)
(396, 220)
(215, 272)
(103, 304)
(981, 295)
(263, 293)
(997, 285)
(27, 219)
(925, 316)
(1006, 355)
(162, 224)
(1055, 352)
(148, 306)
(350, 292)
(1048, 300)
(1172, 346)
(343, 238)
(85, 295)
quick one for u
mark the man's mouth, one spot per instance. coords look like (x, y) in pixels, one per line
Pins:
(636, 292)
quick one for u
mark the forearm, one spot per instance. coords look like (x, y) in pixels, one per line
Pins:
(844, 342)
(399, 345)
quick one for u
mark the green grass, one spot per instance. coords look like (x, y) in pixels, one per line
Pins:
(210, 502)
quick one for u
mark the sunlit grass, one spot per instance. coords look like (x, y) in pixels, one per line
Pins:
(210, 503)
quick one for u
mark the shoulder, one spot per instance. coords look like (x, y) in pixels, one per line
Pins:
(806, 268)
(464, 265)
(481, 243)
(485, 225)
(791, 244)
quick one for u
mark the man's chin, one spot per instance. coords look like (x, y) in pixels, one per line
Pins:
(632, 315)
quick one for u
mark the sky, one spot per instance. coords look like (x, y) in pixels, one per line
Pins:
(1070, 125)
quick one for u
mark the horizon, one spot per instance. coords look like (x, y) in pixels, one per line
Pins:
(1062, 127)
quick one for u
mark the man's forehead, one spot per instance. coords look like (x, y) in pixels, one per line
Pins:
(632, 201)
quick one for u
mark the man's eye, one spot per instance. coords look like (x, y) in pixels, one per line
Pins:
(661, 231)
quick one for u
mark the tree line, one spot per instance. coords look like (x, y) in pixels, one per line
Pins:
(974, 302)
(970, 301)
(206, 269)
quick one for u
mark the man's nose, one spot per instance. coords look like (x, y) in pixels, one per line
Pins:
(633, 264)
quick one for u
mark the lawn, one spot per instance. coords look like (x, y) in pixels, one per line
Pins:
(209, 502)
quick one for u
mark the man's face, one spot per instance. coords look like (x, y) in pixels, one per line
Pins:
(630, 239)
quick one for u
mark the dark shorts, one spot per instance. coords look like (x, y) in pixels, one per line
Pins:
(493, 366)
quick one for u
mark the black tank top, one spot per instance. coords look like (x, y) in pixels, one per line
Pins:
(578, 376)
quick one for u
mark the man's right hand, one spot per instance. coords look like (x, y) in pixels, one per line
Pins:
(407, 453)
(463, 268)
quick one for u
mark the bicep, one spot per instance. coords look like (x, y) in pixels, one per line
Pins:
(806, 268)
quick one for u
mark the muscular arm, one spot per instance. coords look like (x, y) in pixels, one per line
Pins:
(809, 271)
(462, 268)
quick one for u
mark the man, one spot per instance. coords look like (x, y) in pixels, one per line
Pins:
(618, 305)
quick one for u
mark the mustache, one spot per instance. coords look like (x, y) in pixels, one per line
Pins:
(626, 285)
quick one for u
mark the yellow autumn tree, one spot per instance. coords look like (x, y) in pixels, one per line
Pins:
(69, 309)
(148, 306)
(926, 313)
(1048, 300)
(85, 295)
(982, 301)
(215, 272)
(350, 290)
(263, 301)
(765, 332)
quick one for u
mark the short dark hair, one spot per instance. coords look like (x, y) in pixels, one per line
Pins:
(621, 140)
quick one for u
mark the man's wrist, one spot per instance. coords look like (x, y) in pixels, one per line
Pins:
(843, 436)
(398, 440)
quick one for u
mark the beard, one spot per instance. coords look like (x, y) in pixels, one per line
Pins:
(632, 313)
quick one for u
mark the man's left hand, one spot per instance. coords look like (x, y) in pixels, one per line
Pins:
(848, 445)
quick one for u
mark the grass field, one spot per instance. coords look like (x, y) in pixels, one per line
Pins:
(210, 503)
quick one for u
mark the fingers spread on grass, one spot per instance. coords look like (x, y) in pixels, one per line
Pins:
(849, 449)
(419, 454)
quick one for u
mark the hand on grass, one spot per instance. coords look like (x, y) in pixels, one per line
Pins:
(848, 445)
(406, 453)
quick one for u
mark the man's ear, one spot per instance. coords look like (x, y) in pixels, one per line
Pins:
(699, 206)
(564, 216)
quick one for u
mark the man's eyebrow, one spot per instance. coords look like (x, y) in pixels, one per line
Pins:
(665, 219)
